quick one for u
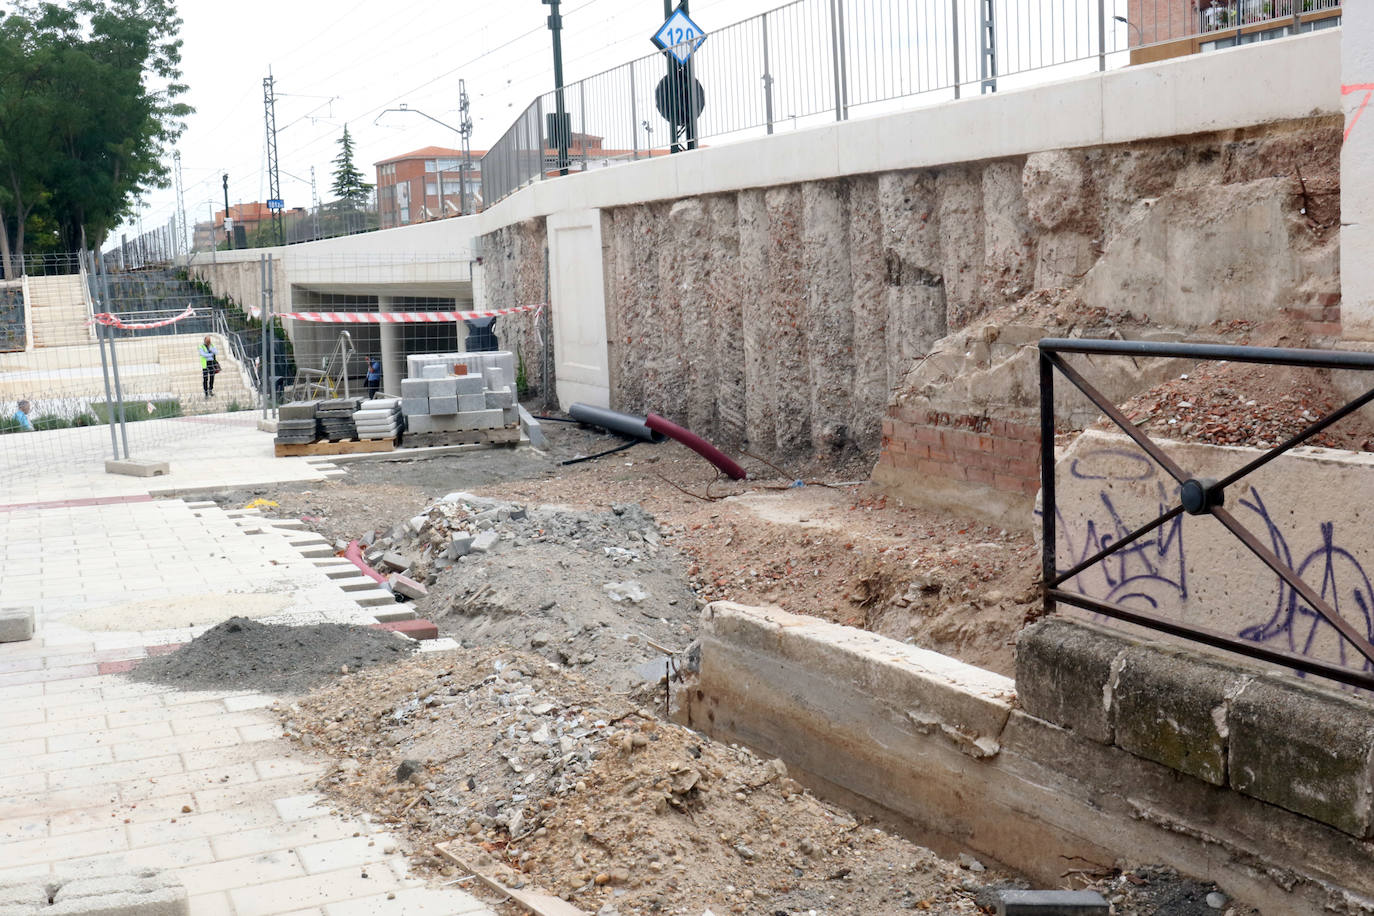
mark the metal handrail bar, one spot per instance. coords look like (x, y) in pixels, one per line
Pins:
(1197, 496)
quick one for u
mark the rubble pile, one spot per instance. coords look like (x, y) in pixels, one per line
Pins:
(581, 588)
(552, 783)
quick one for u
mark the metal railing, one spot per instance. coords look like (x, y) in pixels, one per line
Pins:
(1196, 496)
(1228, 14)
(813, 61)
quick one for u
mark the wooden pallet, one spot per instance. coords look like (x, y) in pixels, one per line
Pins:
(506, 436)
(341, 447)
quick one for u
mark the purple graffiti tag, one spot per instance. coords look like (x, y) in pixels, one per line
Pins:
(1146, 573)
(1343, 584)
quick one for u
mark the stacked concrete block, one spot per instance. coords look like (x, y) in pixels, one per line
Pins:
(379, 419)
(334, 418)
(447, 392)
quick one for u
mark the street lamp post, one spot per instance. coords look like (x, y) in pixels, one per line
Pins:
(228, 223)
(1140, 36)
(562, 123)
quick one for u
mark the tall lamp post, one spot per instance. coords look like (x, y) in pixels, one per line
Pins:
(562, 123)
(228, 221)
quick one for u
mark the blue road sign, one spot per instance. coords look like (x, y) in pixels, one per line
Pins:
(276, 204)
(679, 36)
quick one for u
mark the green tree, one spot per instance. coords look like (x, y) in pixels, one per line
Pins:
(88, 109)
(348, 185)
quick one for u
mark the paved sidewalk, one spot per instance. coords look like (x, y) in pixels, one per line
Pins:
(99, 773)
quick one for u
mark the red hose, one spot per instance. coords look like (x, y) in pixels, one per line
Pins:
(354, 553)
(696, 444)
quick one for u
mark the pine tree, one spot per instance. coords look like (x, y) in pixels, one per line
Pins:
(349, 186)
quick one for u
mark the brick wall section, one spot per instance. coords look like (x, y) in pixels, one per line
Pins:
(1320, 317)
(1001, 454)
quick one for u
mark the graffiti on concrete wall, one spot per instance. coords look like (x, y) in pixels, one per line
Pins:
(1152, 572)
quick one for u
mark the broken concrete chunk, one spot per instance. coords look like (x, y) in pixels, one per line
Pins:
(460, 546)
(485, 541)
(396, 561)
(403, 585)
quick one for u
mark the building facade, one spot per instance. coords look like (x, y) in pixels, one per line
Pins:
(426, 184)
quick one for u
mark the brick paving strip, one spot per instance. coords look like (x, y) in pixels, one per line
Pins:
(100, 775)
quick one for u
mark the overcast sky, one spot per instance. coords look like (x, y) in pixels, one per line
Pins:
(346, 61)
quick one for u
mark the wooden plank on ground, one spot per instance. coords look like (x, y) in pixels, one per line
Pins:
(504, 436)
(540, 904)
(343, 447)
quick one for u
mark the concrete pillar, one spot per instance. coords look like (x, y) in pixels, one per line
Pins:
(393, 353)
(1357, 172)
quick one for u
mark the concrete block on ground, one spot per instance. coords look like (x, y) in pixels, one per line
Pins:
(414, 388)
(443, 387)
(397, 562)
(1052, 903)
(500, 397)
(415, 629)
(434, 371)
(297, 410)
(459, 546)
(496, 378)
(404, 585)
(444, 406)
(136, 467)
(145, 892)
(393, 614)
(421, 423)
(510, 416)
(469, 384)
(532, 428)
(1304, 750)
(485, 541)
(481, 419)
(415, 407)
(1173, 709)
(1064, 674)
(467, 403)
(16, 623)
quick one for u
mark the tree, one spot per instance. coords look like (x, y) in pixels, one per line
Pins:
(88, 109)
(348, 185)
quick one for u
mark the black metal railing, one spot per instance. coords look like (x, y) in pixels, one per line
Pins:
(1196, 496)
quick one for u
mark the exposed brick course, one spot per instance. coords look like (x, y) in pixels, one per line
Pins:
(995, 453)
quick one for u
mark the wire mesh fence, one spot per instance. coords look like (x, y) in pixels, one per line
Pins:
(98, 364)
(814, 61)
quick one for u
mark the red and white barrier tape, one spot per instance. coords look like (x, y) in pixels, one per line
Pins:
(113, 321)
(399, 317)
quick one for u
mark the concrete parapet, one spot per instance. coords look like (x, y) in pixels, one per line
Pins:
(1264, 735)
(939, 749)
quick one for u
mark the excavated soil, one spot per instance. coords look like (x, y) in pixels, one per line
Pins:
(554, 784)
(243, 654)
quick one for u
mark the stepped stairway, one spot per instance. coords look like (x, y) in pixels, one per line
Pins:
(60, 309)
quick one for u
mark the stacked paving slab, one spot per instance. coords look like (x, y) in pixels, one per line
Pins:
(303, 422)
(453, 392)
(296, 423)
(379, 418)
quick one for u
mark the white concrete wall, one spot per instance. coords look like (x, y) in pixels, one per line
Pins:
(577, 289)
(1357, 172)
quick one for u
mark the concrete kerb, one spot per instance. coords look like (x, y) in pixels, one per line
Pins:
(1043, 793)
(148, 892)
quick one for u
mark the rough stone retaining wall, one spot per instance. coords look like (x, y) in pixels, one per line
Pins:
(1058, 778)
(782, 319)
(513, 262)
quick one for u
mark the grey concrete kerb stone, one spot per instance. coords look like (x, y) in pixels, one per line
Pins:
(136, 467)
(16, 624)
(146, 893)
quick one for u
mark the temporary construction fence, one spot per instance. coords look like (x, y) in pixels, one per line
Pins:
(97, 364)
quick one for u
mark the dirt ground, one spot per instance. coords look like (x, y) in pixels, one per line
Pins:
(539, 747)
(830, 548)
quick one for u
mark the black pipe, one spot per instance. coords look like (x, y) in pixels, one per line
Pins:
(610, 451)
(617, 422)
